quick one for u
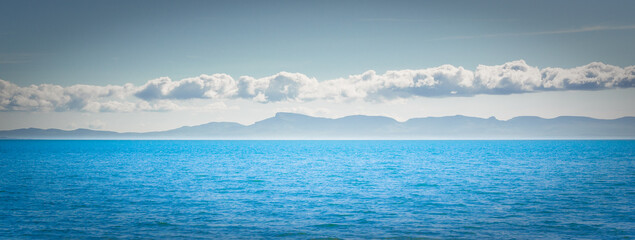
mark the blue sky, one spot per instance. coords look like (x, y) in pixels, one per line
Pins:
(103, 43)
(116, 42)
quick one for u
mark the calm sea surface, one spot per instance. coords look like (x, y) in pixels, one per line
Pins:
(317, 189)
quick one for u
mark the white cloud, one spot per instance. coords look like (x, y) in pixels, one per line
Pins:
(431, 82)
(163, 94)
(85, 98)
(203, 86)
(48, 97)
(511, 77)
(283, 86)
(589, 77)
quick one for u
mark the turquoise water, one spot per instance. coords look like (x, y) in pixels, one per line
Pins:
(317, 189)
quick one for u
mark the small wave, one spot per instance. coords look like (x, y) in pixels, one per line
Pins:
(426, 185)
(291, 234)
(329, 225)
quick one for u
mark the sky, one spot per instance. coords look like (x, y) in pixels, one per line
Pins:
(157, 65)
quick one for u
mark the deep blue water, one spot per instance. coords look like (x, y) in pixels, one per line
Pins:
(317, 189)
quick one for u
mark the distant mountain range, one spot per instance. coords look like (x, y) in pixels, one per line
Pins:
(298, 126)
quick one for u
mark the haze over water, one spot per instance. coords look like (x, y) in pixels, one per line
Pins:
(317, 189)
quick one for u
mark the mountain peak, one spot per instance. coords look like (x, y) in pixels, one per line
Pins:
(288, 114)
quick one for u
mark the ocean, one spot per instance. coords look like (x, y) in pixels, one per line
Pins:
(317, 189)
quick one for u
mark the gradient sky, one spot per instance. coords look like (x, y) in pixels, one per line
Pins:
(65, 43)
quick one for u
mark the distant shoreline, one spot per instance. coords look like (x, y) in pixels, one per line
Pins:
(292, 126)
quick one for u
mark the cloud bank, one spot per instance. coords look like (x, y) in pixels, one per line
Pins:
(87, 98)
(164, 94)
